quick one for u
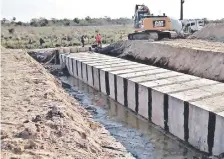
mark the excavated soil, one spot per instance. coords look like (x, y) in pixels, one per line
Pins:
(196, 57)
(214, 32)
(40, 120)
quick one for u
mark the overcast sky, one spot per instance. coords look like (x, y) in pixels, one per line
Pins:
(25, 10)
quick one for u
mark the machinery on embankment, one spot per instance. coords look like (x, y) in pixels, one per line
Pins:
(148, 26)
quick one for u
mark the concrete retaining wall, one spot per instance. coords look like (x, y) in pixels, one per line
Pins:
(189, 107)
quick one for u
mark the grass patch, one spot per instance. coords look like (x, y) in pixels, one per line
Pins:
(59, 36)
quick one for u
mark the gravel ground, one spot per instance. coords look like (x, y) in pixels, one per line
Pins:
(40, 120)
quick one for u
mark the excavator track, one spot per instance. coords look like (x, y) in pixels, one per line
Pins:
(149, 35)
(143, 36)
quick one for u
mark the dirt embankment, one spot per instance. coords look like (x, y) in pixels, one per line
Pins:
(196, 57)
(40, 120)
(214, 32)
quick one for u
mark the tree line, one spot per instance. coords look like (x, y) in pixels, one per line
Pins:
(87, 21)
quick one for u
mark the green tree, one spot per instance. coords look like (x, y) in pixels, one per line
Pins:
(88, 19)
(66, 22)
(76, 20)
(43, 22)
(19, 23)
(34, 22)
(14, 19)
(53, 20)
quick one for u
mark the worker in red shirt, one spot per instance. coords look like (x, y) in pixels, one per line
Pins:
(98, 40)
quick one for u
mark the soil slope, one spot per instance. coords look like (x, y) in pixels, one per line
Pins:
(196, 57)
(40, 120)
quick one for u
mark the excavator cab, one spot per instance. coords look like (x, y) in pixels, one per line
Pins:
(140, 12)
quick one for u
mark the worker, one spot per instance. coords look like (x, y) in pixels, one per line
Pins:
(99, 40)
(83, 41)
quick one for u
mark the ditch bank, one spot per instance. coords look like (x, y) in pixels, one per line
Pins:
(169, 99)
(40, 120)
(195, 57)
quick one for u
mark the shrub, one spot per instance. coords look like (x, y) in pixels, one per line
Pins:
(11, 30)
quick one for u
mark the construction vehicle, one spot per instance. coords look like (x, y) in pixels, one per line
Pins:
(148, 26)
(192, 25)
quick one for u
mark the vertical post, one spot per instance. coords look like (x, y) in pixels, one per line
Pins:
(181, 9)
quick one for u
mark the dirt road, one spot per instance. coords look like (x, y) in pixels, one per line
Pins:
(40, 120)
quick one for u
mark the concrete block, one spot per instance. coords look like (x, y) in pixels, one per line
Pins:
(138, 71)
(120, 90)
(85, 75)
(176, 109)
(74, 68)
(90, 75)
(128, 87)
(96, 76)
(132, 93)
(214, 132)
(61, 51)
(133, 103)
(158, 108)
(80, 75)
(82, 49)
(60, 58)
(66, 49)
(73, 49)
(103, 82)
(144, 96)
(70, 66)
(219, 134)
(198, 127)
(112, 85)
(152, 77)
(124, 66)
(110, 77)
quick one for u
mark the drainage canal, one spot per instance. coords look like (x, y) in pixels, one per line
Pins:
(140, 138)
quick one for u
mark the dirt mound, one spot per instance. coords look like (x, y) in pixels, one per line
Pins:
(196, 57)
(214, 32)
(40, 120)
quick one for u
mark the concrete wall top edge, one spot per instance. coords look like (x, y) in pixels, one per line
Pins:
(108, 64)
(122, 66)
(149, 77)
(192, 84)
(221, 114)
(89, 61)
(214, 104)
(142, 73)
(126, 72)
(168, 79)
(191, 94)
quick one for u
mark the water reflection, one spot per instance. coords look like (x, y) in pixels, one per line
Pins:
(139, 137)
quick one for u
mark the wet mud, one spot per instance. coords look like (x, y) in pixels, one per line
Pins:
(141, 138)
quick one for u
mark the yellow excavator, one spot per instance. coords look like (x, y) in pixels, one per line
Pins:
(148, 26)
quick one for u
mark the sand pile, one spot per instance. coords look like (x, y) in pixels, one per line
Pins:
(40, 120)
(214, 32)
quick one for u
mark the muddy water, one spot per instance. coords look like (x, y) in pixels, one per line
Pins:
(140, 138)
